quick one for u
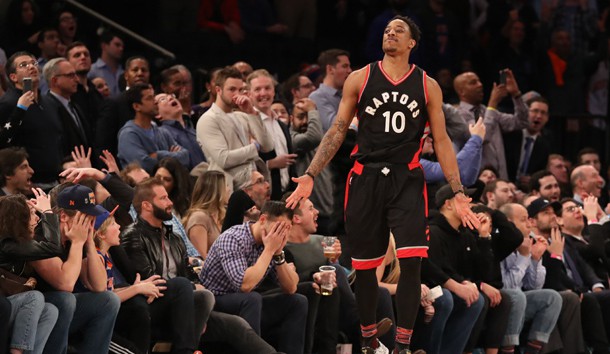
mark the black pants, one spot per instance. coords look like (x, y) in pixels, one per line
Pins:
(321, 333)
(490, 326)
(171, 317)
(349, 321)
(226, 331)
(593, 326)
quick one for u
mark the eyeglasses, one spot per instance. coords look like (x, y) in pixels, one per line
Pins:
(258, 181)
(306, 86)
(573, 208)
(27, 64)
(165, 98)
(71, 75)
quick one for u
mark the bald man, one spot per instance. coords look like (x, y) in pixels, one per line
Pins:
(469, 89)
(586, 180)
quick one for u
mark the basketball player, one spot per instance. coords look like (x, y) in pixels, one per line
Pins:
(397, 105)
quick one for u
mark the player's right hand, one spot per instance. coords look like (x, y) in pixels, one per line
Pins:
(303, 191)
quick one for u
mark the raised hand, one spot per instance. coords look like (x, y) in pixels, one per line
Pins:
(110, 161)
(41, 201)
(557, 242)
(81, 158)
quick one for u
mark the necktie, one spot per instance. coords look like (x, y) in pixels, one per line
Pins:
(572, 269)
(476, 111)
(527, 152)
(76, 117)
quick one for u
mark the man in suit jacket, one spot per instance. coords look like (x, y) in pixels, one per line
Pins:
(63, 83)
(470, 91)
(560, 264)
(590, 247)
(231, 140)
(527, 150)
(281, 160)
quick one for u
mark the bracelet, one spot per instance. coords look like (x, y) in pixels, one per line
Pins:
(279, 259)
(19, 105)
(460, 190)
(310, 175)
(557, 256)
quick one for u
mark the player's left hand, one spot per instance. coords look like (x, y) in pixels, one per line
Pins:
(461, 205)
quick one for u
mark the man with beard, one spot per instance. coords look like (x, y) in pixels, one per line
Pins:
(87, 96)
(140, 139)
(306, 132)
(470, 91)
(497, 193)
(231, 132)
(544, 184)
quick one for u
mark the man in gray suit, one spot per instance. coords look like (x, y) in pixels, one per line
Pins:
(231, 133)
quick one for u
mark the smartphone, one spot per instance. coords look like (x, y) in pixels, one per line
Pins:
(502, 78)
(27, 84)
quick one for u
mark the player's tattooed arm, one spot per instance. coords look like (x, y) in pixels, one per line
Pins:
(454, 182)
(329, 146)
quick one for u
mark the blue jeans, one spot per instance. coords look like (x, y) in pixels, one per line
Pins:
(32, 321)
(92, 314)
(542, 307)
(450, 327)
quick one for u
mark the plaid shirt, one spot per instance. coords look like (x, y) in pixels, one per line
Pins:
(231, 254)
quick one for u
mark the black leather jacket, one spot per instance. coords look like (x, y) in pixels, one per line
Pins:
(142, 242)
(14, 254)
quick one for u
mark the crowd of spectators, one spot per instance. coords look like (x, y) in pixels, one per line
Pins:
(145, 198)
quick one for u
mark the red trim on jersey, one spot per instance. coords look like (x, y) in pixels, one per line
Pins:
(426, 87)
(410, 252)
(354, 151)
(366, 80)
(395, 83)
(364, 264)
(358, 167)
(415, 159)
(425, 193)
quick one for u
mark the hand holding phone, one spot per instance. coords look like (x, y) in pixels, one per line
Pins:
(502, 78)
(27, 84)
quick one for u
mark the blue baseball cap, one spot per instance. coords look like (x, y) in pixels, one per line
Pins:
(81, 198)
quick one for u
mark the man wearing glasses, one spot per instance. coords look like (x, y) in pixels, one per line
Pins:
(63, 83)
(37, 130)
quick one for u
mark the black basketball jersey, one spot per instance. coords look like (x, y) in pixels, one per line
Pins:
(393, 117)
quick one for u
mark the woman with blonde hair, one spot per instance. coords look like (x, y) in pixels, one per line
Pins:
(203, 220)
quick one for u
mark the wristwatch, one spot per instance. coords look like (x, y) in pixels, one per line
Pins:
(279, 259)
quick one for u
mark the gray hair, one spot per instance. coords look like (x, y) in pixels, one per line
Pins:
(242, 179)
(182, 68)
(51, 68)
